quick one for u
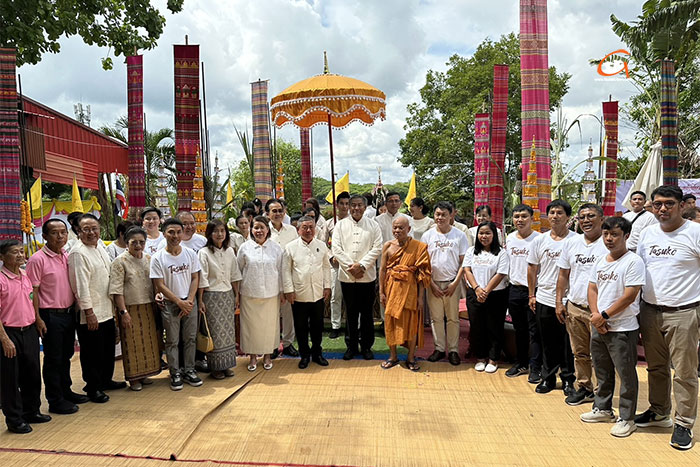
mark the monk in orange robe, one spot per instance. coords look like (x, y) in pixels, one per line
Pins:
(403, 277)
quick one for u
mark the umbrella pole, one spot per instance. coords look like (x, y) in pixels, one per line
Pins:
(330, 145)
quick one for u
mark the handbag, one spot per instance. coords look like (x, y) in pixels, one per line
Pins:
(205, 343)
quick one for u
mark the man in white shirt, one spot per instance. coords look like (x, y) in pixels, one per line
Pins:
(575, 265)
(542, 275)
(446, 247)
(342, 205)
(321, 231)
(639, 217)
(190, 238)
(306, 273)
(371, 211)
(88, 273)
(613, 293)
(356, 245)
(668, 319)
(175, 274)
(527, 339)
(386, 220)
(282, 234)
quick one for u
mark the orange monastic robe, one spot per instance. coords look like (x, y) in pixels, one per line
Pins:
(404, 270)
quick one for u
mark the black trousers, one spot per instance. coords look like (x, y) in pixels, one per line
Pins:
(308, 319)
(486, 323)
(59, 347)
(527, 336)
(556, 349)
(97, 355)
(20, 376)
(359, 303)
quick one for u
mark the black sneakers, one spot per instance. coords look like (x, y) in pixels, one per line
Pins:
(581, 396)
(650, 418)
(535, 377)
(516, 370)
(435, 356)
(682, 437)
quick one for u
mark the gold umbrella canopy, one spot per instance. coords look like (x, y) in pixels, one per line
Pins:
(314, 100)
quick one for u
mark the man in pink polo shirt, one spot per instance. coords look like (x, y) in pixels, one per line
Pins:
(53, 301)
(19, 335)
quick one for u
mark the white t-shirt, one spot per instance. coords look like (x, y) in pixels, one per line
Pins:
(672, 260)
(196, 243)
(518, 251)
(154, 244)
(546, 252)
(485, 265)
(580, 257)
(645, 220)
(444, 251)
(176, 271)
(420, 226)
(114, 250)
(611, 279)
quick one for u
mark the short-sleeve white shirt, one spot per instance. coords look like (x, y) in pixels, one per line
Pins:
(518, 251)
(485, 265)
(546, 252)
(444, 251)
(580, 258)
(176, 271)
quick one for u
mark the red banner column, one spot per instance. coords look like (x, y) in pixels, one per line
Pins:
(137, 181)
(10, 191)
(186, 120)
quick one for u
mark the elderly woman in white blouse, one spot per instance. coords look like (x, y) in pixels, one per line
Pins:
(260, 263)
(218, 279)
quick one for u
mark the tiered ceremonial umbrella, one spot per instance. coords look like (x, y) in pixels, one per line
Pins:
(328, 99)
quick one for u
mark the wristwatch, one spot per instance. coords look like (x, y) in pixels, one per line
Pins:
(122, 312)
(604, 315)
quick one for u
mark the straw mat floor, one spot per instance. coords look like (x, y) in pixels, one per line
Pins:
(351, 413)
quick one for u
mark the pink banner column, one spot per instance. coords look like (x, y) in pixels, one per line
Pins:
(186, 120)
(498, 141)
(10, 190)
(261, 141)
(610, 119)
(534, 79)
(137, 180)
(306, 172)
(481, 159)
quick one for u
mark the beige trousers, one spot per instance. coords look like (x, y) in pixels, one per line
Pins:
(441, 308)
(578, 325)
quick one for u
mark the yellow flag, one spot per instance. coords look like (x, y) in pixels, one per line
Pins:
(229, 192)
(340, 186)
(35, 194)
(411, 190)
(77, 203)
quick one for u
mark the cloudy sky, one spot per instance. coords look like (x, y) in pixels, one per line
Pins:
(390, 44)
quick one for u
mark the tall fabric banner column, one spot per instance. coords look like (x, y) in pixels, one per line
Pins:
(10, 191)
(481, 159)
(498, 141)
(134, 83)
(306, 173)
(534, 79)
(669, 122)
(186, 120)
(261, 141)
(610, 119)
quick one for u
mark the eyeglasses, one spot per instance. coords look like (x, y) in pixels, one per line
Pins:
(590, 216)
(137, 242)
(88, 230)
(669, 204)
(276, 210)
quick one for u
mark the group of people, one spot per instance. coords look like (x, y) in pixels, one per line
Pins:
(573, 299)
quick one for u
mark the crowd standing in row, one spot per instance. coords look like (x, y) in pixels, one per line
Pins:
(574, 299)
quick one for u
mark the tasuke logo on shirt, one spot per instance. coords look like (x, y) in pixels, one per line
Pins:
(607, 276)
(184, 267)
(518, 251)
(552, 254)
(656, 250)
(582, 259)
(443, 244)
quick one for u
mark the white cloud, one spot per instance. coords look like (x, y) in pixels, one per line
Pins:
(390, 44)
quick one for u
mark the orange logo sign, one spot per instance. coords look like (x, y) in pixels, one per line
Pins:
(614, 65)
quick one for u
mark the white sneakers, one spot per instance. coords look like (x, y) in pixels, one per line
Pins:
(491, 368)
(623, 428)
(596, 416)
(480, 366)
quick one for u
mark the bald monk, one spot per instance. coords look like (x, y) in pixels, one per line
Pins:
(403, 277)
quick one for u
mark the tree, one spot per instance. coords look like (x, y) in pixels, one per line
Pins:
(666, 29)
(439, 141)
(35, 26)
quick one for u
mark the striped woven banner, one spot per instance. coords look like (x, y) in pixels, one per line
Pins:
(261, 141)
(481, 159)
(669, 122)
(610, 119)
(498, 141)
(306, 173)
(186, 120)
(10, 191)
(134, 84)
(534, 79)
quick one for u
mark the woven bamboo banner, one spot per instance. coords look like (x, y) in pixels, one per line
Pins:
(610, 119)
(186, 120)
(134, 83)
(669, 122)
(10, 191)
(534, 78)
(306, 173)
(261, 141)
(498, 141)
(481, 159)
